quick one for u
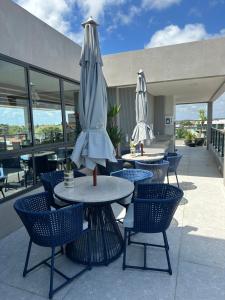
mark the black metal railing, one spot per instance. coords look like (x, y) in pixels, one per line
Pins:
(217, 140)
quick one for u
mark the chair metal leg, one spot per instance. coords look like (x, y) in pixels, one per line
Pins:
(177, 179)
(52, 273)
(3, 194)
(129, 235)
(168, 178)
(124, 249)
(167, 252)
(27, 259)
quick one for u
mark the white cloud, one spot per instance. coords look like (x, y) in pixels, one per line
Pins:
(124, 18)
(51, 12)
(173, 34)
(159, 4)
(56, 13)
(96, 8)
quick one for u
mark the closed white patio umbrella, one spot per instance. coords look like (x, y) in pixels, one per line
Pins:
(142, 131)
(93, 145)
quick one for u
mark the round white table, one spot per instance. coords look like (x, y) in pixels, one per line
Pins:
(144, 158)
(105, 236)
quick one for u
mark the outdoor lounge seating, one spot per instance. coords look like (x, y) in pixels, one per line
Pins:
(158, 169)
(151, 212)
(51, 179)
(174, 160)
(51, 229)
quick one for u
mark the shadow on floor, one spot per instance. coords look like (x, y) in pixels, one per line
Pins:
(186, 186)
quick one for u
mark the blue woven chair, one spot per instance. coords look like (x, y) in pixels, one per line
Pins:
(151, 212)
(134, 175)
(51, 229)
(174, 160)
(158, 169)
(51, 179)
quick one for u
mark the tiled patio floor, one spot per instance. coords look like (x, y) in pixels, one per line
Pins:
(197, 250)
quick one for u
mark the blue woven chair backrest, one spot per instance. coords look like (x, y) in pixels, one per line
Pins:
(174, 161)
(159, 170)
(134, 175)
(51, 179)
(49, 228)
(155, 206)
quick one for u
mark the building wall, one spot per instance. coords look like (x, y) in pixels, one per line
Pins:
(26, 38)
(127, 117)
(183, 61)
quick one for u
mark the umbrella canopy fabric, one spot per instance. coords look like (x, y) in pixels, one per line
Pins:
(142, 131)
(93, 145)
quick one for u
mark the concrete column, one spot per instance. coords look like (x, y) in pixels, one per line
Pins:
(159, 115)
(209, 122)
(118, 116)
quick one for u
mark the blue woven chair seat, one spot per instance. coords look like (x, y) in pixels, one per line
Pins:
(134, 175)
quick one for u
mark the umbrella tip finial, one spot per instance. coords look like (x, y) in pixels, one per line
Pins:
(90, 20)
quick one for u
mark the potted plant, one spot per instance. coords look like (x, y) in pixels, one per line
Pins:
(68, 174)
(113, 130)
(189, 139)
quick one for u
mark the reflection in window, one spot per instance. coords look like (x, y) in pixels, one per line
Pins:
(14, 175)
(47, 113)
(71, 92)
(14, 108)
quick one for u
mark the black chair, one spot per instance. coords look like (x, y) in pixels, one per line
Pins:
(151, 212)
(51, 179)
(13, 165)
(174, 160)
(159, 169)
(111, 167)
(51, 229)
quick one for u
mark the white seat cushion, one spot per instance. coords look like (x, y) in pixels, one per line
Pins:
(129, 218)
(59, 202)
(85, 225)
(126, 201)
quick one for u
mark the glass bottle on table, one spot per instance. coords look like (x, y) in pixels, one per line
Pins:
(132, 148)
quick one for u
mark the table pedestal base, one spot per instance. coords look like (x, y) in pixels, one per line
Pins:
(105, 238)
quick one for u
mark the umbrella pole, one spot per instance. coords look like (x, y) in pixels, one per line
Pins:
(142, 150)
(95, 176)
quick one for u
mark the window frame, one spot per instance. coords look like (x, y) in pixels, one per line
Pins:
(35, 148)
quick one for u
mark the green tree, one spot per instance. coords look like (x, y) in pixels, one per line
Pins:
(202, 118)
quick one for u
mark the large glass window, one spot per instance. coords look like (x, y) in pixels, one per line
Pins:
(71, 93)
(21, 127)
(15, 127)
(47, 110)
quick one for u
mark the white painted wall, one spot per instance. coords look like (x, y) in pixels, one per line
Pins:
(170, 107)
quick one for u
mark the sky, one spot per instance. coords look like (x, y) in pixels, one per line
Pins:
(130, 24)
